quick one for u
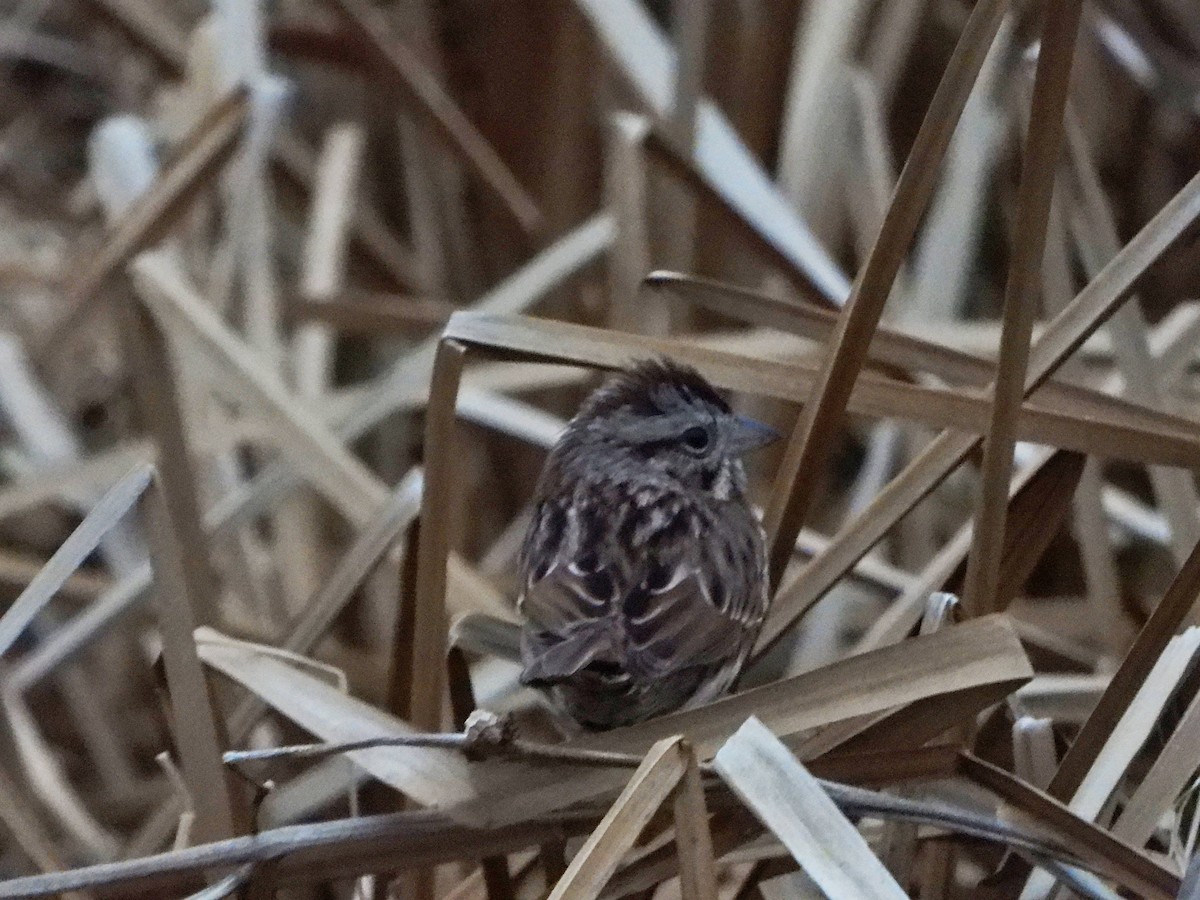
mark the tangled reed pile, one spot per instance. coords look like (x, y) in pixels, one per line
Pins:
(296, 296)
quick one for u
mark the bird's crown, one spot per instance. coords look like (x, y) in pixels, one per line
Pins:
(653, 387)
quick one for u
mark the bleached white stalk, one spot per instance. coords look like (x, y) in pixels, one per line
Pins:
(49, 441)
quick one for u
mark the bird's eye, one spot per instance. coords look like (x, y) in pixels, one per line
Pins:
(695, 438)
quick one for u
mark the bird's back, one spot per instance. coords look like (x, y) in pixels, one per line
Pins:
(639, 597)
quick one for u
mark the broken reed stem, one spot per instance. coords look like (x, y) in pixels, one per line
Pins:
(185, 584)
(466, 743)
(426, 701)
(1042, 150)
(812, 441)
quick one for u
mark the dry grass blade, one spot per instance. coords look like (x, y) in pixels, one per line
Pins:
(945, 570)
(1129, 735)
(692, 34)
(903, 350)
(181, 597)
(693, 839)
(50, 784)
(645, 58)
(1135, 725)
(977, 663)
(1142, 374)
(1061, 698)
(70, 638)
(429, 776)
(599, 857)
(162, 39)
(17, 570)
(82, 542)
(1190, 889)
(420, 87)
(874, 395)
(312, 351)
(371, 232)
(1042, 149)
(1064, 335)
(44, 437)
(30, 834)
(508, 415)
(808, 448)
(1171, 611)
(248, 379)
(322, 608)
(1104, 852)
(149, 28)
(910, 352)
(1104, 293)
(426, 686)
(209, 147)
(562, 260)
(336, 186)
(372, 315)
(74, 478)
(1054, 846)
(1167, 778)
(814, 132)
(132, 590)
(1034, 516)
(790, 802)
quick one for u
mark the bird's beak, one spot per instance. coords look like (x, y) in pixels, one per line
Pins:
(749, 435)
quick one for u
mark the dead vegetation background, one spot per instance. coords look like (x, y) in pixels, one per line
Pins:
(296, 295)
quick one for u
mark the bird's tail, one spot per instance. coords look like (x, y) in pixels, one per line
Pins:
(550, 658)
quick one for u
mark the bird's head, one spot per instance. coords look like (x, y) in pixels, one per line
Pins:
(670, 418)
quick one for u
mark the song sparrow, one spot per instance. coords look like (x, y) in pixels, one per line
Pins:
(643, 568)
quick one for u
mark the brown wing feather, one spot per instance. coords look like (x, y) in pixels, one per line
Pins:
(641, 590)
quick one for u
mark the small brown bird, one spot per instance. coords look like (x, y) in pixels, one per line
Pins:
(643, 569)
